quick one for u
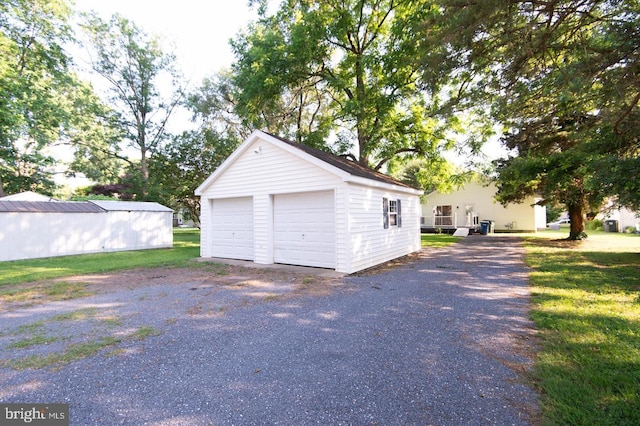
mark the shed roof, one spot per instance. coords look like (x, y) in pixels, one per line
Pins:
(50, 207)
(131, 206)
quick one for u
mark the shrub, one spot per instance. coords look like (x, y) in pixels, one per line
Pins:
(594, 225)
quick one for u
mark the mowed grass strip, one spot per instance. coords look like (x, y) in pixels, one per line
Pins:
(438, 240)
(186, 246)
(586, 305)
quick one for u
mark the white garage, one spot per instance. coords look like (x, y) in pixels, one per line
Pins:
(275, 201)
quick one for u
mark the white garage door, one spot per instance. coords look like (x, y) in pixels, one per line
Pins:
(304, 229)
(232, 228)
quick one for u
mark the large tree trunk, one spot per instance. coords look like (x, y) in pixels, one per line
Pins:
(576, 219)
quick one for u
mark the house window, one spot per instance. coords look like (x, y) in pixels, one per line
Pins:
(392, 213)
(444, 215)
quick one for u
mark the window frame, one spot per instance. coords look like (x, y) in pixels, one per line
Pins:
(391, 213)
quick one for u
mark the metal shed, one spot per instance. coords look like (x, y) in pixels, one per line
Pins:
(34, 229)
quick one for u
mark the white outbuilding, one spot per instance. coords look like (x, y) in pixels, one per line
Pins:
(34, 229)
(276, 201)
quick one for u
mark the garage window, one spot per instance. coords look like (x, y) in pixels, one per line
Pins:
(392, 213)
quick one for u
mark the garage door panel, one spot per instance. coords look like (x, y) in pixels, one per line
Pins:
(304, 229)
(232, 229)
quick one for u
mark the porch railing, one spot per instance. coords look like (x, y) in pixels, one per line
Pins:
(437, 221)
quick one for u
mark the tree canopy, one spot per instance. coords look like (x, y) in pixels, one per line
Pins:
(362, 71)
(566, 88)
(34, 79)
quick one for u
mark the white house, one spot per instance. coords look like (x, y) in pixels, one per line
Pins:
(275, 201)
(34, 229)
(473, 203)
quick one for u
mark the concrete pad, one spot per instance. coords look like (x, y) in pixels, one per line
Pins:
(319, 272)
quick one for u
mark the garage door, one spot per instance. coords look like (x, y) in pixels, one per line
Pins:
(232, 228)
(304, 229)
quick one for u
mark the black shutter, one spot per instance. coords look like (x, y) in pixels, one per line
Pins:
(385, 213)
(399, 221)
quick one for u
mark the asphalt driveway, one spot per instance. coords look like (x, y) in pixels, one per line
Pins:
(441, 339)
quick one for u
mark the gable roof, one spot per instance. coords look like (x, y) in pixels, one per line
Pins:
(349, 170)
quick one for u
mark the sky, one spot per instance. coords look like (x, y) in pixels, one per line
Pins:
(196, 31)
(199, 29)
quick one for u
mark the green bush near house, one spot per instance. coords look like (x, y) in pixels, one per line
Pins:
(594, 225)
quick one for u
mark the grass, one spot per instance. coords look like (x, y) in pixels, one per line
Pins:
(586, 305)
(35, 334)
(55, 291)
(186, 246)
(438, 240)
(38, 339)
(71, 353)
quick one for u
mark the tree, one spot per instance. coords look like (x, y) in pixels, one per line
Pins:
(35, 77)
(184, 164)
(567, 88)
(134, 65)
(189, 158)
(94, 136)
(355, 69)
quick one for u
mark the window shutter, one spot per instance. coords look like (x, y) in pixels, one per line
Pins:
(399, 221)
(385, 213)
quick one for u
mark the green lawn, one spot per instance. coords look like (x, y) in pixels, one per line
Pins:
(586, 305)
(186, 245)
(438, 240)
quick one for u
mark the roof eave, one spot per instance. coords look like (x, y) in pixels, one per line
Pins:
(379, 184)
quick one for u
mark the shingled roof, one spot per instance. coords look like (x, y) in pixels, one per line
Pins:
(344, 164)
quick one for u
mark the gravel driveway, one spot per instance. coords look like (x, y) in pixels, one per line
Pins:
(442, 338)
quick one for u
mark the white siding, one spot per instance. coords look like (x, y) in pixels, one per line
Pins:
(369, 243)
(263, 231)
(270, 171)
(343, 252)
(205, 224)
(31, 235)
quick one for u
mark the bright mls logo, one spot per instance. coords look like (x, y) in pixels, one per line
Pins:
(34, 414)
